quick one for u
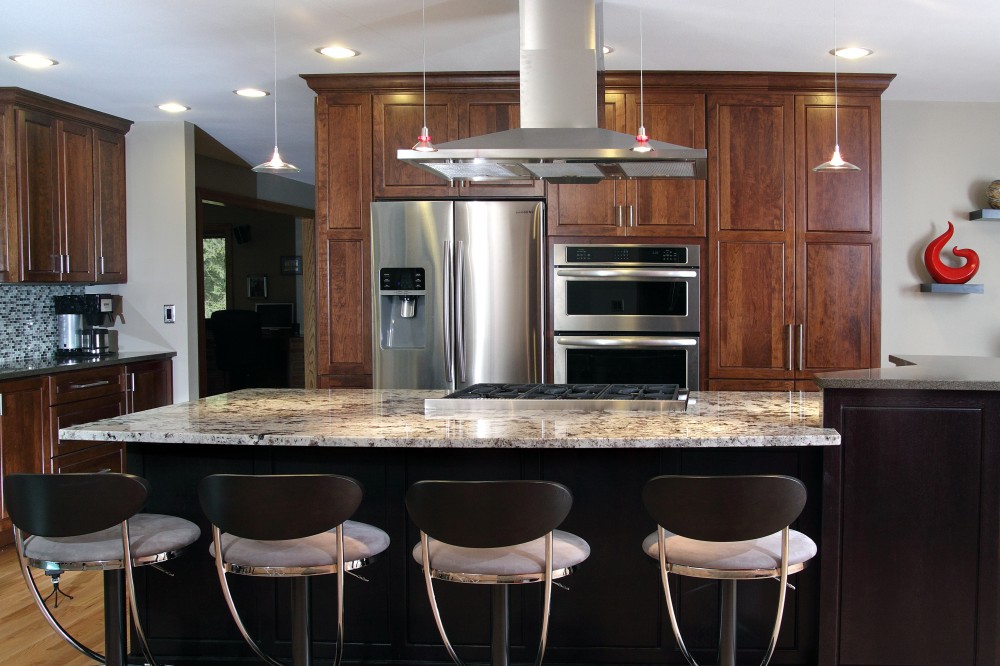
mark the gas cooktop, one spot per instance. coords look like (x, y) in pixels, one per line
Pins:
(517, 397)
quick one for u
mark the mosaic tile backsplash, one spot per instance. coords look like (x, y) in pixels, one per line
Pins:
(28, 320)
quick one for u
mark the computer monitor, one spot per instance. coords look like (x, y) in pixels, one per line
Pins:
(276, 316)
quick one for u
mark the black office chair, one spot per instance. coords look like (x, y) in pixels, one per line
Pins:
(84, 522)
(729, 528)
(239, 348)
(494, 532)
(288, 526)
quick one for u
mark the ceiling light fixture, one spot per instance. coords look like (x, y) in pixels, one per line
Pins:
(275, 164)
(251, 92)
(33, 60)
(836, 162)
(423, 143)
(851, 52)
(173, 107)
(641, 140)
(338, 52)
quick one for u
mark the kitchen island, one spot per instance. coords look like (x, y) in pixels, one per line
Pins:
(613, 612)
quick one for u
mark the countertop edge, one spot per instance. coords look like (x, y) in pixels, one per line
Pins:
(53, 366)
(915, 372)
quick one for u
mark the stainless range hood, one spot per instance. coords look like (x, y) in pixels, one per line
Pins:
(559, 140)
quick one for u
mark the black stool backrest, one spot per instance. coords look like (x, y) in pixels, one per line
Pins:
(65, 505)
(275, 507)
(724, 508)
(487, 514)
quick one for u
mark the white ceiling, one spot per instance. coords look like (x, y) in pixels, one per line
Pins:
(126, 56)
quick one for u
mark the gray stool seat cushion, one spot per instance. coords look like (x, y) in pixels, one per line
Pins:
(763, 553)
(361, 541)
(527, 558)
(149, 534)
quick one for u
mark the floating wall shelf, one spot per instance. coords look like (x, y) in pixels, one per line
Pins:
(985, 214)
(935, 288)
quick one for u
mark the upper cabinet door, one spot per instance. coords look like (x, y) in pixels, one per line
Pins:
(397, 120)
(486, 114)
(668, 207)
(109, 193)
(38, 196)
(76, 201)
(8, 197)
(343, 164)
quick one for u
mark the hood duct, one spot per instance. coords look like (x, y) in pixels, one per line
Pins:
(559, 140)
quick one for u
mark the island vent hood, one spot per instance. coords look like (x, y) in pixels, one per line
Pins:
(559, 140)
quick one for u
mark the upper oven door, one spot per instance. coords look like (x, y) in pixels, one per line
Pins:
(625, 299)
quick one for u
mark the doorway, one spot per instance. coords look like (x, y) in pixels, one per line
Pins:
(254, 255)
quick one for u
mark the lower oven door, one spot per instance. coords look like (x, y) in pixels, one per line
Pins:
(618, 359)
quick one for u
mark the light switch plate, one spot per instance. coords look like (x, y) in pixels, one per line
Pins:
(169, 314)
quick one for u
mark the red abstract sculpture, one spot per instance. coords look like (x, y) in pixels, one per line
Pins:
(944, 274)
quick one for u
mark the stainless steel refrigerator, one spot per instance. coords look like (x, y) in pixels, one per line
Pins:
(457, 293)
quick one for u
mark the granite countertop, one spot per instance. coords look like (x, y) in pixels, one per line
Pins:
(48, 365)
(396, 418)
(916, 372)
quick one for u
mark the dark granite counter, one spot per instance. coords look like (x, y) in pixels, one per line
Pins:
(48, 365)
(916, 372)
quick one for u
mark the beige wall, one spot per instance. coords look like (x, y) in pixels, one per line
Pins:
(937, 158)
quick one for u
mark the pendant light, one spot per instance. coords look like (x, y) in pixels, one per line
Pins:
(275, 164)
(836, 162)
(641, 140)
(424, 144)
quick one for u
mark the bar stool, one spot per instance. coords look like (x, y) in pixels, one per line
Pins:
(728, 528)
(495, 532)
(87, 522)
(295, 526)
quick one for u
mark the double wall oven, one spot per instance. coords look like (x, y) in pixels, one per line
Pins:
(626, 314)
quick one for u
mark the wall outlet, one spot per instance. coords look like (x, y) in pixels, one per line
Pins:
(169, 314)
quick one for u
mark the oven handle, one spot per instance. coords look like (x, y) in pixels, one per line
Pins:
(626, 273)
(617, 341)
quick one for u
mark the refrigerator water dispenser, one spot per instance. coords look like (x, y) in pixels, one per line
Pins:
(402, 292)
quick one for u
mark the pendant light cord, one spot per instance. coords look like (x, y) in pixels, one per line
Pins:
(836, 103)
(642, 102)
(423, 39)
(274, 52)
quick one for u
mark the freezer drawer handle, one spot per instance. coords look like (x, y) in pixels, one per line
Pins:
(460, 309)
(626, 342)
(446, 298)
(625, 273)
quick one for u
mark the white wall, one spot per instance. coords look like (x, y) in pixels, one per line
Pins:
(937, 158)
(160, 195)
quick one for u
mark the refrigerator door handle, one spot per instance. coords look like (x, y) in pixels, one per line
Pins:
(446, 293)
(460, 310)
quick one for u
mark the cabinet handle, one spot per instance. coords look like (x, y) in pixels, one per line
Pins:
(67, 263)
(618, 216)
(106, 470)
(102, 264)
(76, 387)
(1, 404)
(802, 328)
(791, 347)
(631, 216)
(131, 382)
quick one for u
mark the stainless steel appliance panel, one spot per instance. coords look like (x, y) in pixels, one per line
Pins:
(499, 329)
(409, 351)
(613, 359)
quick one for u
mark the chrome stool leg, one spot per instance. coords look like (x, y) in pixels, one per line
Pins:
(301, 631)
(727, 624)
(498, 638)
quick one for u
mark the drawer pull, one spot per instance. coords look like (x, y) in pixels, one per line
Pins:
(77, 387)
(106, 470)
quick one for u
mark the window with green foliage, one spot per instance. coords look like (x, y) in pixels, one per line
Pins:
(214, 251)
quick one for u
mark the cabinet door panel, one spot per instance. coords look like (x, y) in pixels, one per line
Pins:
(836, 306)
(838, 201)
(751, 307)
(344, 334)
(37, 170)
(397, 120)
(344, 165)
(669, 207)
(8, 197)
(83, 411)
(76, 200)
(149, 385)
(100, 458)
(23, 407)
(751, 153)
(109, 191)
(486, 116)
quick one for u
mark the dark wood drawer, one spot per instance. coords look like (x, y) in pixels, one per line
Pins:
(82, 411)
(100, 458)
(67, 387)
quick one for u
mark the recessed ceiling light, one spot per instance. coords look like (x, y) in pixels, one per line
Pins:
(851, 52)
(33, 60)
(173, 107)
(251, 92)
(338, 52)
(607, 49)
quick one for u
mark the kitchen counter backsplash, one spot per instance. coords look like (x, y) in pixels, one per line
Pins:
(28, 326)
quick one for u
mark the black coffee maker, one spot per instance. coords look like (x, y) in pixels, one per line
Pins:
(83, 321)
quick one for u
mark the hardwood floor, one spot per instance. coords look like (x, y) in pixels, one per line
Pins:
(25, 636)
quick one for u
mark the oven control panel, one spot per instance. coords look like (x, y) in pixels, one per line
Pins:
(629, 255)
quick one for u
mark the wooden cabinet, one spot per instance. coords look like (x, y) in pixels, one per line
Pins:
(640, 207)
(397, 121)
(793, 254)
(64, 191)
(148, 384)
(23, 412)
(80, 397)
